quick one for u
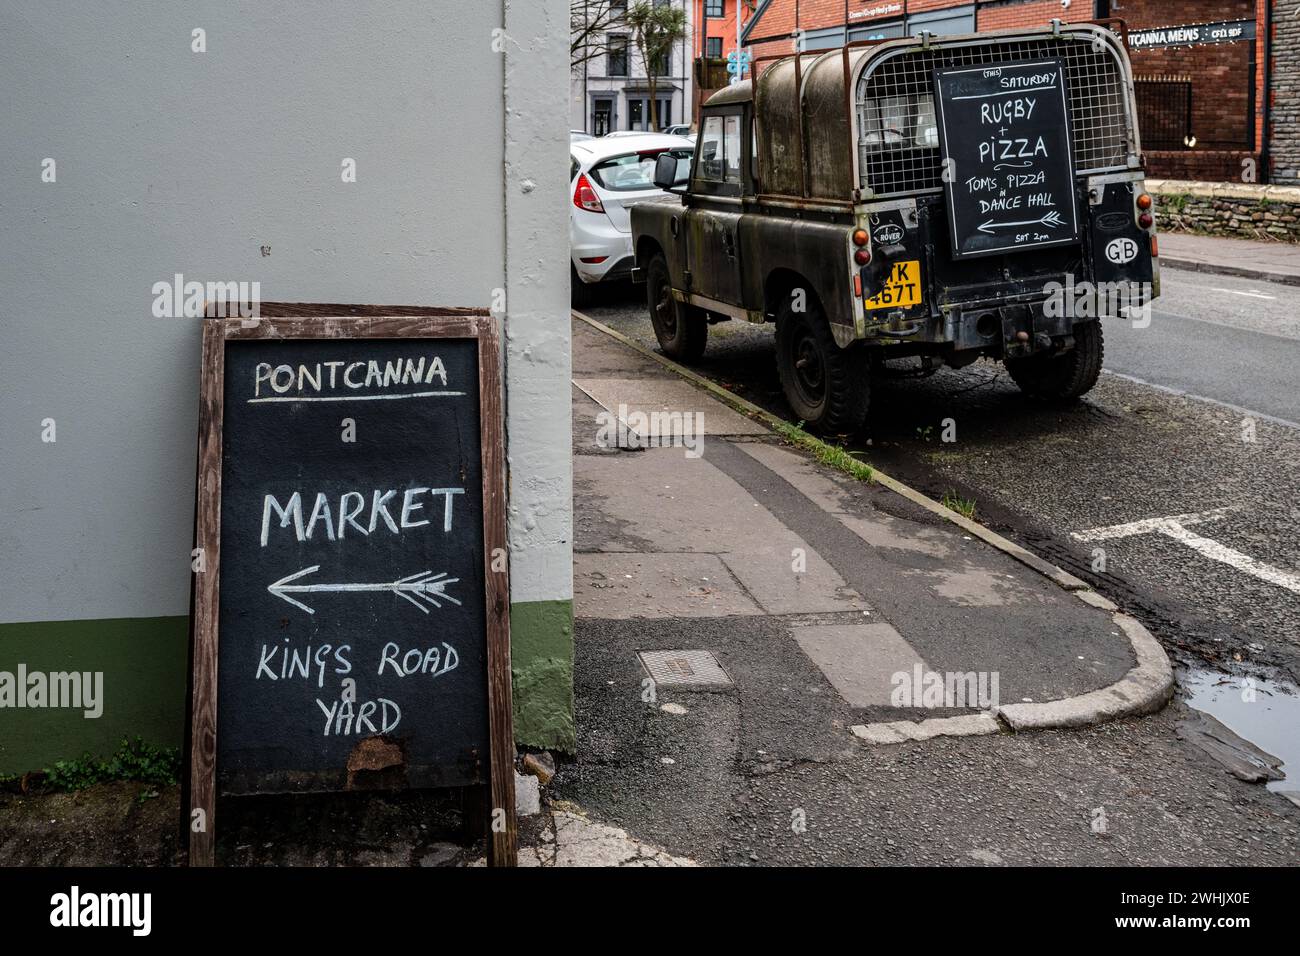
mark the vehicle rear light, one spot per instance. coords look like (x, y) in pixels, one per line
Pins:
(857, 286)
(860, 237)
(594, 260)
(1146, 220)
(1155, 248)
(862, 257)
(584, 197)
(1144, 201)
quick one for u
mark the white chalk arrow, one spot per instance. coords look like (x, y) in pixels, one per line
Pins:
(416, 588)
(1051, 219)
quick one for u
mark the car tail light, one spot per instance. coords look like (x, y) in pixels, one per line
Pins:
(860, 237)
(1155, 248)
(1144, 201)
(862, 257)
(1146, 220)
(594, 260)
(584, 197)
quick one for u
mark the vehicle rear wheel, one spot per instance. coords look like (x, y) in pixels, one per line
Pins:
(1065, 377)
(682, 330)
(829, 388)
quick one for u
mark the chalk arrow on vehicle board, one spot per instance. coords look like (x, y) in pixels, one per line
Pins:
(419, 589)
(1051, 219)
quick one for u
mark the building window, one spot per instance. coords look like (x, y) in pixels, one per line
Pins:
(618, 8)
(663, 63)
(616, 55)
(1164, 107)
(714, 8)
(602, 117)
(638, 112)
(713, 47)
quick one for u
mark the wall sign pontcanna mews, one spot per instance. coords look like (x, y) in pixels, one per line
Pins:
(351, 605)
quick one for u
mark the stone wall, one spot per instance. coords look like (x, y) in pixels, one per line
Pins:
(1234, 210)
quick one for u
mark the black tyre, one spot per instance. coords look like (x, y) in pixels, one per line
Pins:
(682, 331)
(580, 294)
(829, 388)
(1065, 377)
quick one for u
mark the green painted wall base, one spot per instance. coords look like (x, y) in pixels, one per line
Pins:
(143, 661)
(541, 665)
(144, 665)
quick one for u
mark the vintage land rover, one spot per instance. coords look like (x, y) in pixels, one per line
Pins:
(929, 199)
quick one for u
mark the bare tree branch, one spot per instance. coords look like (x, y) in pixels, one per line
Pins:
(588, 21)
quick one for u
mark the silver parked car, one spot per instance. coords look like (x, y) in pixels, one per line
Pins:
(607, 176)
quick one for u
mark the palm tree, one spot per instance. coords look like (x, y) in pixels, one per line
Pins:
(655, 31)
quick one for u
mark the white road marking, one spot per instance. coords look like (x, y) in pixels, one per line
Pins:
(1253, 295)
(1150, 525)
(1175, 527)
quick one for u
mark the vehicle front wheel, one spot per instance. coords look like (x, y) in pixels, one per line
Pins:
(682, 331)
(1064, 377)
(829, 388)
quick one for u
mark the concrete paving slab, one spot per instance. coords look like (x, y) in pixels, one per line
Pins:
(656, 509)
(847, 498)
(626, 586)
(859, 660)
(659, 399)
(768, 574)
(1278, 261)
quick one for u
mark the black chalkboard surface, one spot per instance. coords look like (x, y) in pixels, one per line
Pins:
(352, 573)
(351, 601)
(1004, 129)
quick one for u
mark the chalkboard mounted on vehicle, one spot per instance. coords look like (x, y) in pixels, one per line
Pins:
(1004, 129)
(351, 602)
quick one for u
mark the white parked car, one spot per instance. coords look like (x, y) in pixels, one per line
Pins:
(607, 175)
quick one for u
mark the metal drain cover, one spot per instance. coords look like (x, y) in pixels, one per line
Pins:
(685, 670)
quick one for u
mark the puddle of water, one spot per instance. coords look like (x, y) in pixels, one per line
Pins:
(1271, 721)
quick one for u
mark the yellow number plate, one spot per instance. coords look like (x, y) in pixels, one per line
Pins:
(902, 289)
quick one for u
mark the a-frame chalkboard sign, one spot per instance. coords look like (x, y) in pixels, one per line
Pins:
(351, 601)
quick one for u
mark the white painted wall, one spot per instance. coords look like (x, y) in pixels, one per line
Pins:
(174, 161)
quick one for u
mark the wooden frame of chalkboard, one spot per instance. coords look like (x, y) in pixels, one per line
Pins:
(309, 321)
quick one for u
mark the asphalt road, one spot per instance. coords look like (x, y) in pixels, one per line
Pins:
(1197, 416)
(1234, 341)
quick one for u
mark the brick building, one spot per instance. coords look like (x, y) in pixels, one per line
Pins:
(714, 38)
(1196, 63)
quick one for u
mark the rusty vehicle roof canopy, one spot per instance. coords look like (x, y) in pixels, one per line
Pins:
(819, 116)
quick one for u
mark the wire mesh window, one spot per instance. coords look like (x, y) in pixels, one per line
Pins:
(899, 145)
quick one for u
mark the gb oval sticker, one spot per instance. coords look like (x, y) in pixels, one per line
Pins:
(1121, 251)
